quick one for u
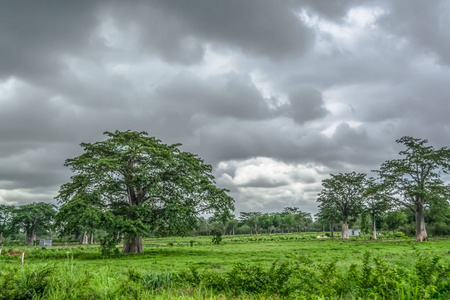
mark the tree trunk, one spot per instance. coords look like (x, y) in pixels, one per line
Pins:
(30, 237)
(374, 228)
(91, 240)
(1, 238)
(421, 232)
(344, 231)
(133, 245)
(84, 238)
(331, 230)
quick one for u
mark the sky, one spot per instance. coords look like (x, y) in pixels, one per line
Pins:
(274, 95)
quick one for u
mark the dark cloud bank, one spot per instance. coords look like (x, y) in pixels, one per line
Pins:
(275, 95)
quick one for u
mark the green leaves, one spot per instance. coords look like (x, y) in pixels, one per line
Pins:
(343, 192)
(415, 178)
(151, 186)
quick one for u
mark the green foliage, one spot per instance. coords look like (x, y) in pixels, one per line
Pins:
(6, 215)
(307, 269)
(108, 245)
(34, 218)
(342, 193)
(217, 238)
(147, 186)
(416, 178)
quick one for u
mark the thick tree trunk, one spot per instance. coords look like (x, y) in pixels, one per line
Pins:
(31, 235)
(421, 232)
(84, 238)
(331, 230)
(344, 231)
(133, 245)
(374, 228)
(91, 238)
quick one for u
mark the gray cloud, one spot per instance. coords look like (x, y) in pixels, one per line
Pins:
(275, 95)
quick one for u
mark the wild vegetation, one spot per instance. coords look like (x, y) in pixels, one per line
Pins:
(275, 266)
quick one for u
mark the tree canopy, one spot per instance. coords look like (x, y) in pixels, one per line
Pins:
(415, 178)
(147, 186)
(6, 214)
(33, 218)
(345, 193)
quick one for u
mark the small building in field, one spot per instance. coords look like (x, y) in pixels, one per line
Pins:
(354, 232)
(45, 243)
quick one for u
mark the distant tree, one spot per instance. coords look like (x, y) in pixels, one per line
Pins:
(287, 222)
(329, 214)
(232, 224)
(344, 192)
(32, 218)
(376, 202)
(266, 222)
(394, 219)
(303, 219)
(203, 226)
(438, 216)
(276, 220)
(416, 178)
(217, 226)
(6, 214)
(82, 214)
(252, 220)
(148, 186)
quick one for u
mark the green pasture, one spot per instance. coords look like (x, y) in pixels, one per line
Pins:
(83, 265)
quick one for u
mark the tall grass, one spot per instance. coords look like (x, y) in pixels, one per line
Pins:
(287, 267)
(370, 278)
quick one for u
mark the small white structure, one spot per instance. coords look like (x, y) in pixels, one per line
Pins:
(354, 232)
(45, 243)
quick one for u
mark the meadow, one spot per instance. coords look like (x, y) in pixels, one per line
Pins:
(289, 266)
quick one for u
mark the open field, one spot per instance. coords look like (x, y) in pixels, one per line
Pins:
(297, 265)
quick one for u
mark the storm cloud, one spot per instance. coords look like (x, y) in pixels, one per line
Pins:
(275, 95)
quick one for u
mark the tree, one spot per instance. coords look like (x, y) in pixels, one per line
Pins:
(438, 215)
(416, 178)
(276, 220)
(329, 214)
(395, 219)
(266, 222)
(6, 214)
(287, 222)
(252, 220)
(232, 225)
(302, 219)
(82, 214)
(147, 186)
(376, 202)
(344, 192)
(33, 218)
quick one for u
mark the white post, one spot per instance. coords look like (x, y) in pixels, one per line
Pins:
(23, 255)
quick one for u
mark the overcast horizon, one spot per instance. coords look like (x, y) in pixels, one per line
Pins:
(275, 95)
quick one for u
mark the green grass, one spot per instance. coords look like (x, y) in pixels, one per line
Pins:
(168, 268)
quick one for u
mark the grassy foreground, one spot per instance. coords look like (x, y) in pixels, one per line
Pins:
(290, 266)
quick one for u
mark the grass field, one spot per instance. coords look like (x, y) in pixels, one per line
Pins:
(297, 266)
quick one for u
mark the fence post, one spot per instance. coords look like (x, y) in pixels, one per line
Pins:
(23, 255)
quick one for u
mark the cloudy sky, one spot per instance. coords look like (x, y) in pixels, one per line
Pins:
(275, 95)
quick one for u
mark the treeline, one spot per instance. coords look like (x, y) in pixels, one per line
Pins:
(290, 219)
(37, 220)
